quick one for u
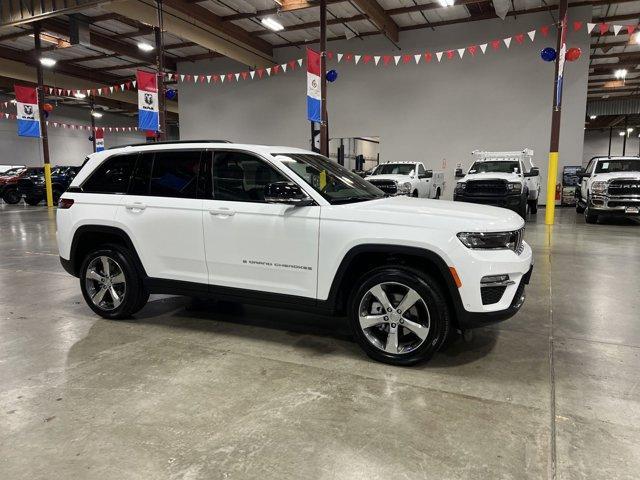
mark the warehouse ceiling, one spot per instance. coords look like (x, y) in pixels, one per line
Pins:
(202, 29)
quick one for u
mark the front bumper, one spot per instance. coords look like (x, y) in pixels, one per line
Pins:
(512, 202)
(615, 205)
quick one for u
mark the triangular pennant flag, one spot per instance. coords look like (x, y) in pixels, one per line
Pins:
(439, 55)
(245, 74)
(222, 78)
(182, 77)
(495, 44)
(616, 29)
(356, 58)
(483, 47)
(428, 57)
(590, 27)
(300, 62)
(208, 78)
(268, 70)
(187, 77)
(603, 28)
(386, 59)
(276, 69)
(376, 59)
(348, 57)
(417, 57)
(330, 55)
(252, 73)
(461, 52)
(260, 72)
(507, 41)
(216, 78)
(111, 89)
(396, 58)
(577, 25)
(630, 29)
(229, 76)
(544, 30)
(366, 59)
(519, 38)
(472, 49)
(284, 67)
(237, 76)
(532, 35)
(406, 59)
(292, 64)
(450, 54)
(122, 85)
(339, 57)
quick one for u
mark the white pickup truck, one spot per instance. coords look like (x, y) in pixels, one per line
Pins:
(502, 179)
(407, 178)
(609, 186)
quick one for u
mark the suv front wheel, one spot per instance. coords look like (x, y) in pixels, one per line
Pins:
(399, 315)
(110, 283)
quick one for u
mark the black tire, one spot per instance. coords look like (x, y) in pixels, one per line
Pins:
(133, 296)
(533, 206)
(522, 210)
(11, 196)
(579, 208)
(33, 201)
(415, 194)
(433, 302)
(438, 194)
(590, 217)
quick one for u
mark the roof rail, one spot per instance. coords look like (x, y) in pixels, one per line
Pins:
(169, 142)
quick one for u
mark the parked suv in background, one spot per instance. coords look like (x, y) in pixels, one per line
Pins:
(288, 228)
(503, 179)
(407, 178)
(9, 182)
(609, 186)
(32, 185)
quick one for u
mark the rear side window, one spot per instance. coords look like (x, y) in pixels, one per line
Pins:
(171, 173)
(112, 176)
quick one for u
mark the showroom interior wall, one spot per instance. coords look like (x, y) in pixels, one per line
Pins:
(66, 146)
(437, 113)
(596, 142)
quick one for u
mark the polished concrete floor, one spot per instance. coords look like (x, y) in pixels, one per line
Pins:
(251, 393)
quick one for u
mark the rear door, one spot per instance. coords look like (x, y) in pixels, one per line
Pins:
(162, 213)
(255, 245)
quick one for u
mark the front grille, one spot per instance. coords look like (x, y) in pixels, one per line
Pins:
(387, 186)
(623, 203)
(491, 295)
(486, 187)
(624, 187)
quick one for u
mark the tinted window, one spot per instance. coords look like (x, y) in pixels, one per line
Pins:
(421, 169)
(141, 175)
(175, 173)
(241, 177)
(112, 176)
(489, 166)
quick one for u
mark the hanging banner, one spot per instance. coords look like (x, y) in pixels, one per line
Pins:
(561, 59)
(148, 114)
(27, 111)
(313, 86)
(99, 139)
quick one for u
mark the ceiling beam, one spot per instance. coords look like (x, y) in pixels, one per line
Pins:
(379, 17)
(270, 11)
(19, 12)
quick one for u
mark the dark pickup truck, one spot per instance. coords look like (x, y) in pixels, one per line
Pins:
(32, 186)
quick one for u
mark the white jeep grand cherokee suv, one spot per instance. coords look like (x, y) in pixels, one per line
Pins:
(286, 227)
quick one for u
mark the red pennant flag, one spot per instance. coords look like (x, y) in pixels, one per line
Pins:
(472, 49)
(330, 55)
(577, 25)
(386, 59)
(366, 58)
(202, 78)
(544, 30)
(519, 37)
(603, 27)
(292, 64)
(406, 58)
(187, 78)
(275, 69)
(630, 29)
(348, 57)
(229, 76)
(260, 72)
(128, 85)
(450, 54)
(244, 75)
(216, 78)
(495, 44)
(428, 57)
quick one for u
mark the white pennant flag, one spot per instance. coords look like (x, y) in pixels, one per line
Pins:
(222, 77)
(356, 58)
(417, 56)
(284, 67)
(439, 55)
(396, 58)
(590, 27)
(196, 78)
(507, 41)
(616, 29)
(111, 89)
(252, 73)
(269, 71)
(237, 76)
(300, 62)
(461, 52)
(122, 86)
(182, 77)
(339, 57)
(134, 83)
(376, 59)
(532, 34)
(483, 47)
(208, 78)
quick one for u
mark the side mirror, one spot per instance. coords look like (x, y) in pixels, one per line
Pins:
(285, 192)
(534, 172)
(428, 174)
(581, 173)
(459, 173)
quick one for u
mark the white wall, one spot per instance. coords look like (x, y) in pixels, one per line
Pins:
(596, 142)
(430, 112)
(66, 146)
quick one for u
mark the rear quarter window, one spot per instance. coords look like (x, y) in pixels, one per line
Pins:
(112, 176)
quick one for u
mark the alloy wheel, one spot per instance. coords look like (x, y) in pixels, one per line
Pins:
(394, 318)
(105, 283)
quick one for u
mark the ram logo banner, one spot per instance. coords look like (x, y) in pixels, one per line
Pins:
(313, 86)
(27, 111)
(148, 114)
(99, 139)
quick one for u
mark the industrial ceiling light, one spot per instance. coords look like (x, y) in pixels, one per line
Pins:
(622, 134)
(47, 62)
(96, 114)
(145, 47)
(635, 38)
(446, 3)
(272, 24)
(621, 73)
(630, 129)
(593, 117)
(80, 95)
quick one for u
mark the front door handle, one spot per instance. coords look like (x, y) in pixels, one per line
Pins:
(135, 206)
(222, 212)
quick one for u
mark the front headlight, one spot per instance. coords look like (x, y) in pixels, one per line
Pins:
(404, 188)
(599, 188)
(490, 240)
(514, 187)
(460, 187)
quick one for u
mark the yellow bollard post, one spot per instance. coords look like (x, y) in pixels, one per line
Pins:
(552, 178)
(47, 184)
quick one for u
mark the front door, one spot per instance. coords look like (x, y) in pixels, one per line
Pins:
(251, 244)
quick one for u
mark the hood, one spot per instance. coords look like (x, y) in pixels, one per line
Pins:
(603, 177)
(509, 177)
(397, 178)
(434, 214)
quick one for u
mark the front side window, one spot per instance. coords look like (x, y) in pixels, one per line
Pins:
(112, 176)
(334, 182)
(394, 169)
(421, 170)
(242, 177)
(495, 167)
(618, 165)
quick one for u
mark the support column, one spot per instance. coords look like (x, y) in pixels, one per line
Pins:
(162, 102)
(43, 121)
(610, 135)
(324, 125)
(626, 134)
(93, 123)
(552, 170)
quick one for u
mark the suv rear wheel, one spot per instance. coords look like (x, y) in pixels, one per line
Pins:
(11, 195)
(110, 283)
(33, 201)
(398, 315)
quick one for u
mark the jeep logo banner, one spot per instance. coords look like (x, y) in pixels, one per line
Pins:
(27, 111)
(148, 114)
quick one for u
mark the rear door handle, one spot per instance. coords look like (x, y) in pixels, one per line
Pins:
(222, 212)
(135, 206)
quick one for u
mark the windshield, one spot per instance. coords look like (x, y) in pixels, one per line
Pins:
(394, 169)
(618, 165)
(13, 172)
(334, 182)
(495, 167)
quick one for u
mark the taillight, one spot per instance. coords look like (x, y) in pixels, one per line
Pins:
(65, 203)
